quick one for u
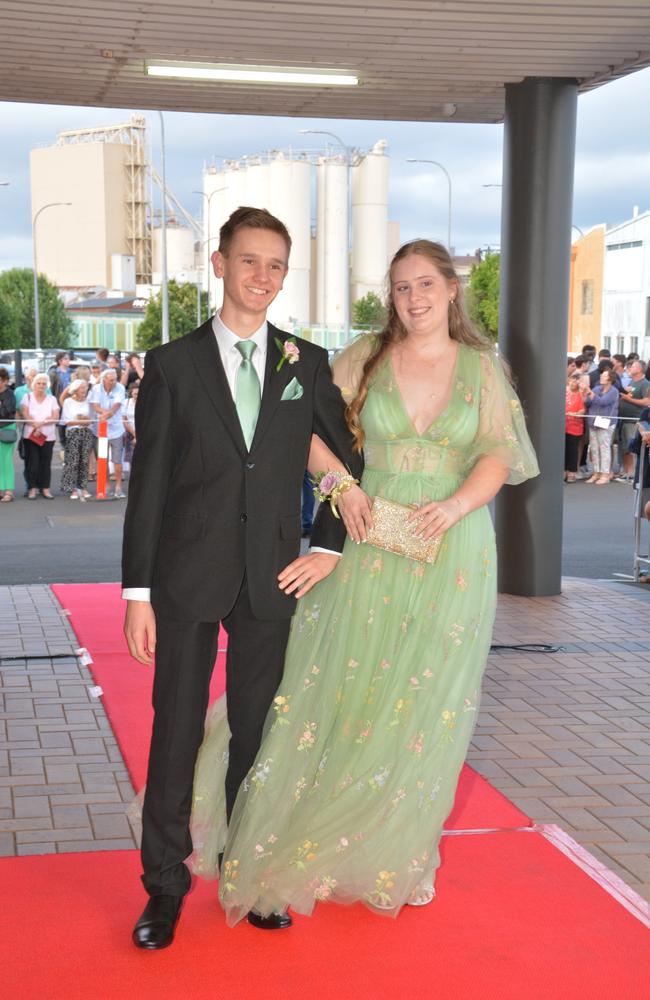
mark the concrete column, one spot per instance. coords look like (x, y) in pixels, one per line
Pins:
(538, 163)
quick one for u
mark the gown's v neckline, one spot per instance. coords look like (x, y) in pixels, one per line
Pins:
(448, 402)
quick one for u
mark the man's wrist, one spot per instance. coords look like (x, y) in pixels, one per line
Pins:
(136, 594)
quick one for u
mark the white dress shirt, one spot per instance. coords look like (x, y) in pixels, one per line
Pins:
(231, 360)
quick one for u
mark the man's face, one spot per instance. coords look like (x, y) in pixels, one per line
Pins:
(571, 367)
(64, 362)
(636, 370)
(254, 270)
(110, 380)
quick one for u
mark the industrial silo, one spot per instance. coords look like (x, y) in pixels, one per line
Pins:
(290, 200)
(332, 244)
(370, 221)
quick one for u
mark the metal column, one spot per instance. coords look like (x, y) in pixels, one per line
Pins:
(538, 163)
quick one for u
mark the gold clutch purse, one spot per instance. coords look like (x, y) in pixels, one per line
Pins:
(393, 532)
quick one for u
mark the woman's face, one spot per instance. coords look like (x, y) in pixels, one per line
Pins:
(81, 392)
(573, 385)
(421, 294)
(605, 379)
(39, 385)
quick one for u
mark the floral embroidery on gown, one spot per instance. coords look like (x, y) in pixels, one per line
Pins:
(369, 729)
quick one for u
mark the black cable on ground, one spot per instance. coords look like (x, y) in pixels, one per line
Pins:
(529, 647)
(41, 656)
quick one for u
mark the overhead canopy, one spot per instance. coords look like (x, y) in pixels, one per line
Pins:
(416, 59)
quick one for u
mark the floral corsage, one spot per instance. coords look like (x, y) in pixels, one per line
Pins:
(290, 352)
(329, 486)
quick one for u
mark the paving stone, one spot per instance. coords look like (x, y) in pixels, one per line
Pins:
(32, 805)
(70, 816)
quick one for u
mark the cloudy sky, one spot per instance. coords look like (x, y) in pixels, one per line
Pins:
(612, 163)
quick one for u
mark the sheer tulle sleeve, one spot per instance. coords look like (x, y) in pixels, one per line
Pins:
(347, 367)
(502, 429)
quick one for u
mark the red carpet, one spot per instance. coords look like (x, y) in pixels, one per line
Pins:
(97, 612)
(513, 919)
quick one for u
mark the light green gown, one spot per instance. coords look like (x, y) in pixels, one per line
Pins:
(367, 735)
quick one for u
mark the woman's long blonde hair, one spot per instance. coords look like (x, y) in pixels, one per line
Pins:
(460, 326)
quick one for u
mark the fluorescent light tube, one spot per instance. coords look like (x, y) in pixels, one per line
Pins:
(226, 73)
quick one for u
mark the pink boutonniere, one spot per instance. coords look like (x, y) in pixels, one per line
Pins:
(290, 352)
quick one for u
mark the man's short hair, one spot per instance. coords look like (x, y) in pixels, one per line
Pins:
(632, 356)
(59, 355)
(588, 349)
(604, 353)
(580, 360)
(620, 358)
(246, 217)
(605, 365)
(102, 353)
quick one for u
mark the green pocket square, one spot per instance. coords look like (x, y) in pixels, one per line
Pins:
(293, 390)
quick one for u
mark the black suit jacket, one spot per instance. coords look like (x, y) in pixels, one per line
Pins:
(202, 510)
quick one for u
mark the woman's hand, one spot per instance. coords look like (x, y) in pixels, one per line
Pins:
(433, 519)
(354, 506)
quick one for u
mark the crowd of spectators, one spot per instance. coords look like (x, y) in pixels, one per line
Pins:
(606, 397)
(68, 403)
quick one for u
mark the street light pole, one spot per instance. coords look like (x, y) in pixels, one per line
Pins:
(208, 198)
(348, 163)
(446, 173)
(37, 314)
(163, 235)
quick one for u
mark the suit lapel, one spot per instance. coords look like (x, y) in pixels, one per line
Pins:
(209, 368)
(275, 382)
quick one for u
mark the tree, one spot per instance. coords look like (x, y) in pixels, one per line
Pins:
(17, 328)
(483, 297)
(182, 315)
(369, 311)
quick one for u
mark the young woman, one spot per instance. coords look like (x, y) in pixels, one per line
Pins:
(367, 735)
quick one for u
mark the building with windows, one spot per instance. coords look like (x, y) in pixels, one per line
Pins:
(586, 290)
(626, 287)
(107, 322)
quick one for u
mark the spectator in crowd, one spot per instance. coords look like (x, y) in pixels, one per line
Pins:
(602, 407)
(582, 374)
(8, 436)
(619, 362)
(101, 356)
(573, 429)
(570, 366)
(82, 372)
(96, 373)
(128, 419)
(133, 371)
(60, 374)
(589, 352)
(107, 400)
(77, 418)
(633, 400)
(21, 391)
(41, 412)
(114, 363)
(604, 365)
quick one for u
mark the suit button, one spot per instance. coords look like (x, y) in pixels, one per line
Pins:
(250, 465)
(243, 517)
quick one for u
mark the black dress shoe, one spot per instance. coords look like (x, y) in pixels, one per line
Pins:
(155, 928)
(274, 922)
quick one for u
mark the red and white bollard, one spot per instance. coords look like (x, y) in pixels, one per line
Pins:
(102, 460)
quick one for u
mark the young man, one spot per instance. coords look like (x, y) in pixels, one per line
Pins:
(224, 423)
(633, 400)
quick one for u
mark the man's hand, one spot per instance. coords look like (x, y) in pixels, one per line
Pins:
(301, 575)
(140, 630)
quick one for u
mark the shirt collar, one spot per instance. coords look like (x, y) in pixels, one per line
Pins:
(227, 340)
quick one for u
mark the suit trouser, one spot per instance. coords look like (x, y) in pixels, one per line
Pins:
(185, 654)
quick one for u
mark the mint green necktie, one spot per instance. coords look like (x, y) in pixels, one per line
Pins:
(247, 391)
